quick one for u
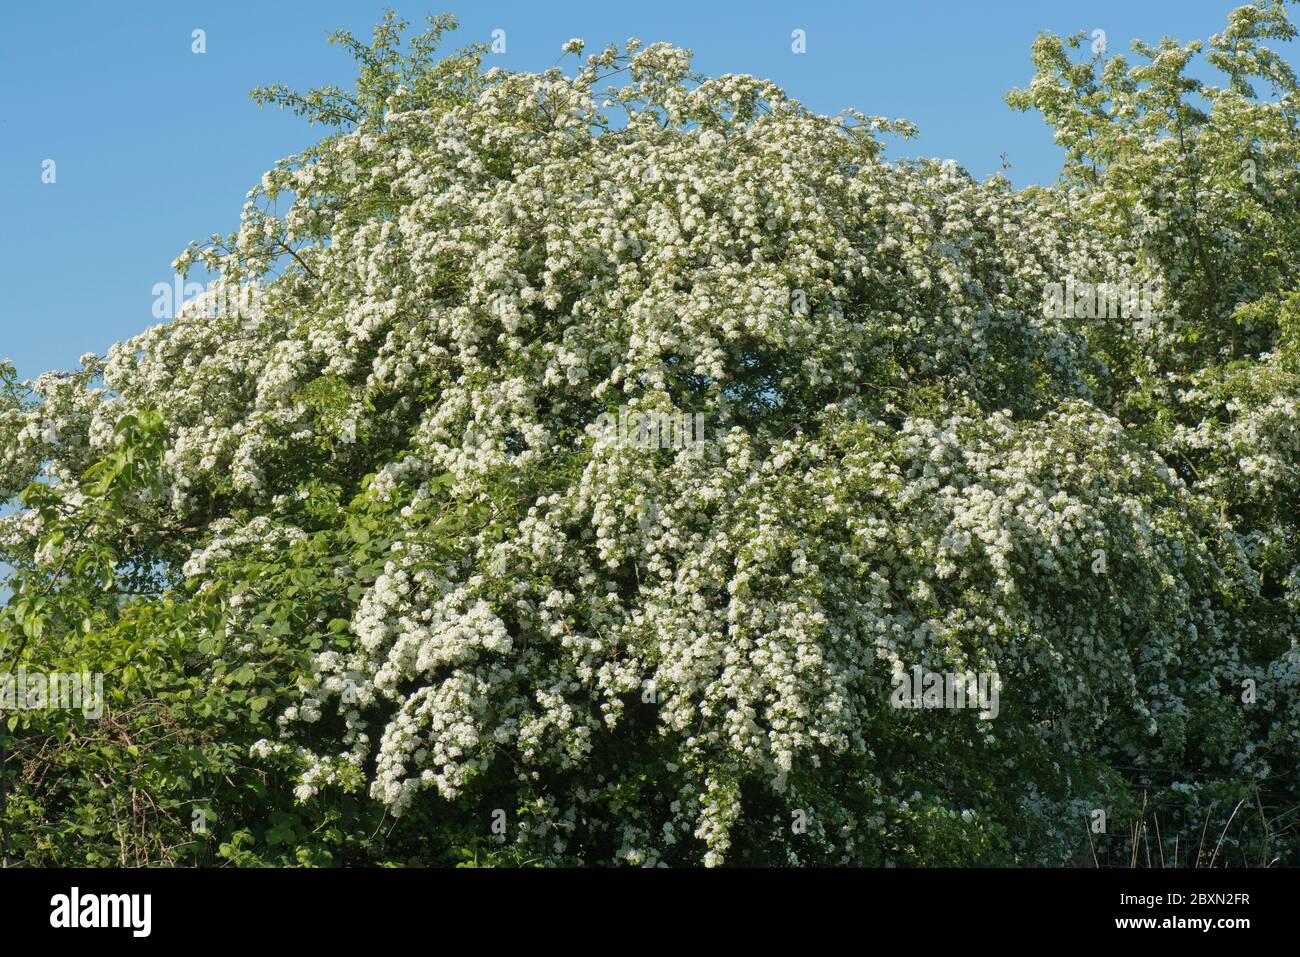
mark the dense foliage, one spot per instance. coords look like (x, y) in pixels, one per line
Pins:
(370, 579)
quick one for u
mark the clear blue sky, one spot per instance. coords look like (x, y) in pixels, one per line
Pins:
(156, 146)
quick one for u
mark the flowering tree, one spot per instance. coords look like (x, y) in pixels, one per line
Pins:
(375, 572)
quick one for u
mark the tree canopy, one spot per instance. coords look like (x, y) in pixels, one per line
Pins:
(372, 580)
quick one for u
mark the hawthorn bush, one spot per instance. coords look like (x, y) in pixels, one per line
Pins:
(371, 580)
